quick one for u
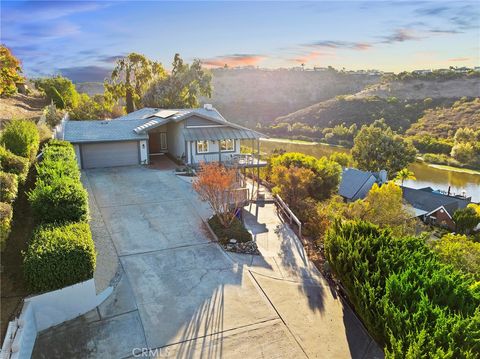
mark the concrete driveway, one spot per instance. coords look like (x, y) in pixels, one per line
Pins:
(180, 296)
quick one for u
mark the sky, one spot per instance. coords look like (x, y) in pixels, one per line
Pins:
(82, 39)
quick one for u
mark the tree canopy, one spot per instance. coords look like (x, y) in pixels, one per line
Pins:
(60, 90)
(378, 147)
(130, 78)
(10, 72)
(182, 88)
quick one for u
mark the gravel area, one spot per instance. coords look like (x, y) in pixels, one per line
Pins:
(107, 259)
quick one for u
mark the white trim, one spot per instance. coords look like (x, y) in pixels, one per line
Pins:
(435, 210)
(206, 142)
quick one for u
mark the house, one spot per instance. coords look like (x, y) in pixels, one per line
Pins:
(355, 184)
(434, 207)
(188, 135)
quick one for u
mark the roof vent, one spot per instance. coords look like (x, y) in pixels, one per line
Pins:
(104, 122)
(208, 107)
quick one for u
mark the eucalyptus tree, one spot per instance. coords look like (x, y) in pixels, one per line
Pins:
(130, 78)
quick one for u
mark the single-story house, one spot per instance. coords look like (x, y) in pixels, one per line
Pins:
(434, 207)
(189, 135)
(355, 184)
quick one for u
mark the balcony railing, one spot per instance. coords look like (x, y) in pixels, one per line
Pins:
(232, 160)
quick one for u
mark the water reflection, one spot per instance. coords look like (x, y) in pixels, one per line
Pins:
(426, 175)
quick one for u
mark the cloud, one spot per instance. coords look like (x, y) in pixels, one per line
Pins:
(461, 15)
(341, 44)
(86, 73)
(234, 60)
(400, 35)
(36, 11)
(49, 30)
(459, 59)
(110, 59)
(307, 58)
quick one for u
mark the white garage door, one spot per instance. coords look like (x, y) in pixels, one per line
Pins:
(109, 154)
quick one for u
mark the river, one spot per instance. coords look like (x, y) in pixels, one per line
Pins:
(425, 175)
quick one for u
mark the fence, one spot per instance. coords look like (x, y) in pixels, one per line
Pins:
(287, 212)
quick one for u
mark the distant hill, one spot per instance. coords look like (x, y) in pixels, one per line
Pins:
(400, 103)
(251, 96)
(444, 122)
(419, 89)
(90, 88)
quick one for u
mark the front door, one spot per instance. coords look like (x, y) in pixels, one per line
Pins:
(157, 142)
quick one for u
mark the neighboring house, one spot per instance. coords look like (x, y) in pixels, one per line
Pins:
(355, 184)
(433, 207)
(189, 135)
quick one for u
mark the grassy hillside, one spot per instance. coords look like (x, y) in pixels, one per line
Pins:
(444, 122)
(251, 96)
(398, 114)
(22, 106)
(90, 88)
(400, 102)
(419, 89)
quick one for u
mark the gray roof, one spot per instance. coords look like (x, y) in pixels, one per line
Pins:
(352, 181)
(102, 131)
(181, 114)
(135, 126)
(428, 200)
(219, 133)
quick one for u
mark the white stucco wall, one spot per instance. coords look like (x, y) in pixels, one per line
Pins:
(176, 142)
(143, 152)
(49, 309)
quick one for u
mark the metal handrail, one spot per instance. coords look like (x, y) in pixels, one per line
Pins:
(289, 214)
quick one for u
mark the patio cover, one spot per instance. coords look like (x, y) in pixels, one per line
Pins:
(220, 133)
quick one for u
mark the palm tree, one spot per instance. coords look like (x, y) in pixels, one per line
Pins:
(405, 174)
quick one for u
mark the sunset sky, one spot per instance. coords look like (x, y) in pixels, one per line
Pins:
(82, 39)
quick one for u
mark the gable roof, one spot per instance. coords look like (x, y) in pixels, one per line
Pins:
(102, 131)
(154, 120)
(428, 200)
(352, 181)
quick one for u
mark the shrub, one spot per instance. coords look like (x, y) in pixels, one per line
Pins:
(5, 222)
(58, 161)
(236, 230)
(8, 187)
(61, 200)
(21, 137)
(59, 256)
(12, 163)
(411, 301)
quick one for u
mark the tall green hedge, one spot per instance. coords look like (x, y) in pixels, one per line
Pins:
(58, 196)
(8, 187)
(59, 200)
(59, 256)
(12, 163)
(21, 138)
(5, 222)
(58, 161)
(410, 301)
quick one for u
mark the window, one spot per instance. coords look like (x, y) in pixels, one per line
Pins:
(202, 146)
(227, 145)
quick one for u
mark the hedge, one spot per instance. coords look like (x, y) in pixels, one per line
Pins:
(8, 187)
(59, 256)
(61, 200)
(409, 300)
(58, 161)
(21, 138)
(12, 163)
(5, 222)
